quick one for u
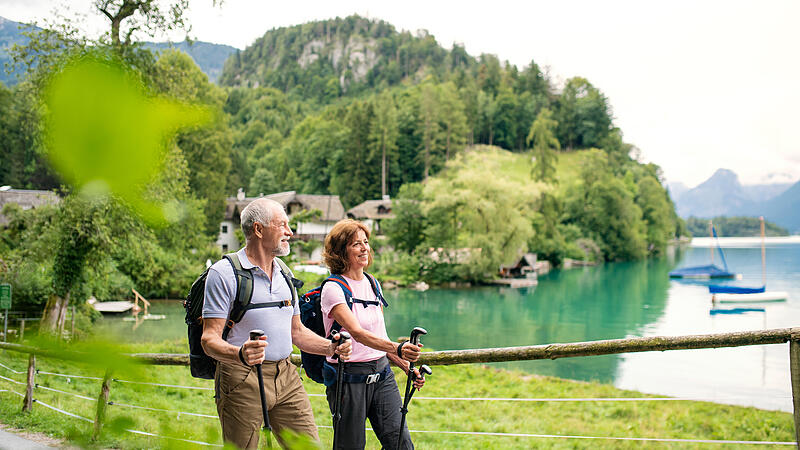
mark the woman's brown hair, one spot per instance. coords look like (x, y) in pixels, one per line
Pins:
(334, 252)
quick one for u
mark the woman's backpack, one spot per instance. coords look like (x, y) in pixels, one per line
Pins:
(311, 316)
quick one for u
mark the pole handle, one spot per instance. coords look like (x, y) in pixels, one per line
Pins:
(340, 338)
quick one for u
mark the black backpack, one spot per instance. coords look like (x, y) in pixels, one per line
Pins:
(200, 364)
(311, 316)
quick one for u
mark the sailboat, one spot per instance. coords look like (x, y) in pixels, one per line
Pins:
(726, 289)
(707, 271)
(739, 294)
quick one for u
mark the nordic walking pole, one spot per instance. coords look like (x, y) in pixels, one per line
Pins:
(414, 339)
(339, 338)
(254, 336)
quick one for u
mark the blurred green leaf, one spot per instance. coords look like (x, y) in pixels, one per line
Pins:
(106, 136)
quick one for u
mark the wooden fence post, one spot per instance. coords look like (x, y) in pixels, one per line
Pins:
(27, 404)
(794, 369)
(102, 402)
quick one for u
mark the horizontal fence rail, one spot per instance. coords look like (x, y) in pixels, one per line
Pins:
(532, 352)
(489, 355)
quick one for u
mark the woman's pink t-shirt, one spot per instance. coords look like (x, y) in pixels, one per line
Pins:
(370, 318)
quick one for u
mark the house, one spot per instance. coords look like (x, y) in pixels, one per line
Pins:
(372, 212)
(524, 266)
(329, 205)
(25, 198)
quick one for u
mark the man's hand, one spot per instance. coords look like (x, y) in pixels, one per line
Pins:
(343, 350)
(252, 352)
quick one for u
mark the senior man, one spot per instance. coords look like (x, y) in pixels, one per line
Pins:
(266, 230)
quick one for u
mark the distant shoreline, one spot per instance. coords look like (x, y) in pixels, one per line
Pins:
(754, 241)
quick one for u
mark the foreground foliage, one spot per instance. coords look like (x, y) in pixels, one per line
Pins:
(673, 419)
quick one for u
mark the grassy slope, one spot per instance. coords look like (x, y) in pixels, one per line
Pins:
(654, 419)
(517, 166)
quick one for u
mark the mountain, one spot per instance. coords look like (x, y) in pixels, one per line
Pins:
(720, 195)
(341, 56)
(676, 189)
(762, 192)
(724, 195)
(209, 57)
(783, 209)
(10, 34)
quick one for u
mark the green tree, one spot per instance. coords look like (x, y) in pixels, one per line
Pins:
(479, 225)
(384, 134)
(406, 231)
(207, 149)
(357, 171)
(314, 145)
(583, 115)
(544, 146)
(454, 121)
(504, 128)
(656, 212)
(429, 115)
(606, 211)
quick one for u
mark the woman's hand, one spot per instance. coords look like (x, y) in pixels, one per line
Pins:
(409, 351)
(419, 379)
(343, 349)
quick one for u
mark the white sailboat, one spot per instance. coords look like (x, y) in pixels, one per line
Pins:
(754, 297)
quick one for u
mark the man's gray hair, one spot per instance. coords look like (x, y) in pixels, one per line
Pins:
(260, 210)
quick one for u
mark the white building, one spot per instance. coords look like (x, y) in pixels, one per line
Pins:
(330, 207)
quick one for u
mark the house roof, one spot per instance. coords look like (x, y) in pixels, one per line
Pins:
(26, 199)
(372, 209)
(330, 205)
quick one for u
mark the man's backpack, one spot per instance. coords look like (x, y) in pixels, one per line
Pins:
(311, 317)
(200, 364)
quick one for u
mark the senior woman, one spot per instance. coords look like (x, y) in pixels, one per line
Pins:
(370, 391)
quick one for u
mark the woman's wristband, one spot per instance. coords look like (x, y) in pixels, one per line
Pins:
(400, 349)
(241, 356)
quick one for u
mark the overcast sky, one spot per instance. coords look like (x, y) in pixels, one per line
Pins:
(695, 85)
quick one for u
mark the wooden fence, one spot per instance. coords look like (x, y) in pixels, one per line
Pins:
(487, 355)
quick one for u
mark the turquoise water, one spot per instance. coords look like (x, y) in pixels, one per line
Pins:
(605, 302)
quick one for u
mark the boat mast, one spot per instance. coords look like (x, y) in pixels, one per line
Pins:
(763, 255)
(711, 238)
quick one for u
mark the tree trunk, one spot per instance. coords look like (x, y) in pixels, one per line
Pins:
(447, 146)
(427, 159)
(383, 167)
(55, 313)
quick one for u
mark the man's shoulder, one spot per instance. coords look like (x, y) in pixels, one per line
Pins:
(222, 267)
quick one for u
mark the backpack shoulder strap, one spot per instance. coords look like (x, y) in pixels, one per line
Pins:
(348, 292)
(376, 287)
(290, 279)
(244, 292)
(348, 296)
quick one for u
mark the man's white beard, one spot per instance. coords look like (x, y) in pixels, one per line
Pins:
(281, 251)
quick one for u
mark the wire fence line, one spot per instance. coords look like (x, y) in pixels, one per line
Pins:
(551, 351)
(419, 397)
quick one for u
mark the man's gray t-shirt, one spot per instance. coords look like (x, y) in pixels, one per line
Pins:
(275, 321)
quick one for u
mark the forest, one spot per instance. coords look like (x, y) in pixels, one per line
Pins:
(475, 152)
(733, 227)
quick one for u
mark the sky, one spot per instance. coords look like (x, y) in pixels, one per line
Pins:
(694, 85)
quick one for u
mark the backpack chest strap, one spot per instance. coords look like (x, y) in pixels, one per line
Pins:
(365, 302)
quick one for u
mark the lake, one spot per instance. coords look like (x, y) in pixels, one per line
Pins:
(611, 301)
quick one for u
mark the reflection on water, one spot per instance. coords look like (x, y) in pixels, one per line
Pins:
(606, 302)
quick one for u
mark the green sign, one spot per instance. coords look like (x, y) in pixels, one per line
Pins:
(5, 296)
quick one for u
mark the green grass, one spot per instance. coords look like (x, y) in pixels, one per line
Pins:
(651, 419)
